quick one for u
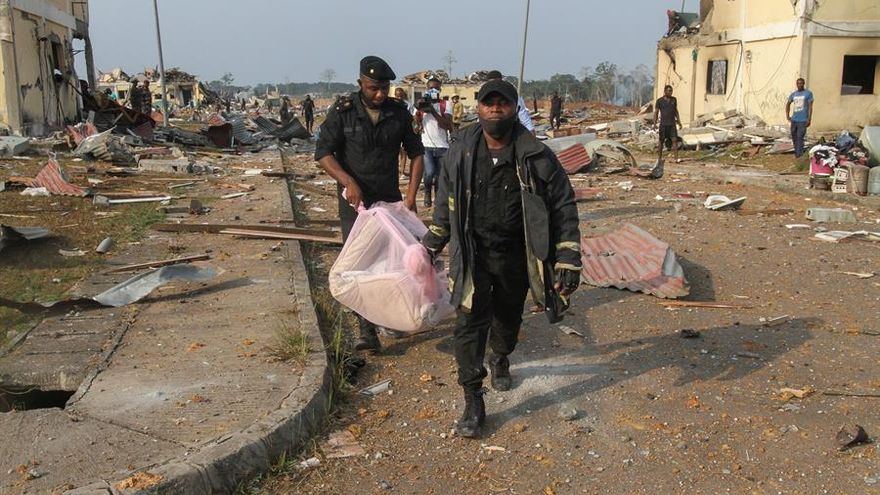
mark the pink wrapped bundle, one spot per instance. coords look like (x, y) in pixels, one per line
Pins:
(385, 275)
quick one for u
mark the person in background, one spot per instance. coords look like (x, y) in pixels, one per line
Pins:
(434, 117)
(667, 109)
(284, 111)
(555, 110)
(457, 113)
(401, 96)
(358, 146)
(801, 102)
(308, 108)
(522, 111)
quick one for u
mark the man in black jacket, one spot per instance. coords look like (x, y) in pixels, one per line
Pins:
(358, 146)
(507, 210)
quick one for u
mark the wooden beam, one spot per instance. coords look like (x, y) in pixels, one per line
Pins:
(216, 228)
(264, 234)
(156, 264)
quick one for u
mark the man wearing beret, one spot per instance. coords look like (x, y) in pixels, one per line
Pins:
(507, 210)
(358, 146)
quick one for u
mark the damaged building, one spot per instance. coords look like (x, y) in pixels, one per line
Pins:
(745, 55)
(39, 88)
(183, 89)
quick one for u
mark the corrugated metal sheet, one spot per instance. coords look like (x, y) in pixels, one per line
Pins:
(240, 132)
(632, 259)
(52, 178)
(574, 158)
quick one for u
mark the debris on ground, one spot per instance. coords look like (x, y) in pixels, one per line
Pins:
(10, 235)
(376, 389)
(631, 258)
(851, 435)
(718, 202)
(341, 444)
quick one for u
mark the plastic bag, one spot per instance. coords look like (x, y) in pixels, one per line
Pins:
(385, 275)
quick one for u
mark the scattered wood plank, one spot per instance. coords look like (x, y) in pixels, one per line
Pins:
(312, 188)
(216, 228)
(265, 234)
(701, 304)
(843, 393)
(160, 263)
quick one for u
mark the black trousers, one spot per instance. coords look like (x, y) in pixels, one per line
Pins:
(500, 286)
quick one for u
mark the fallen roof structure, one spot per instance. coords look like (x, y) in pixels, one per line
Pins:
(632, 259)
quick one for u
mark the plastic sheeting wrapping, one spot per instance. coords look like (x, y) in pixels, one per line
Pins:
(371, 276)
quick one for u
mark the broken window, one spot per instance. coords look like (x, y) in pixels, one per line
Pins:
(716, 78)
(859, 72)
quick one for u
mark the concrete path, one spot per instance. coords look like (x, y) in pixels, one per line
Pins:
(184, 390)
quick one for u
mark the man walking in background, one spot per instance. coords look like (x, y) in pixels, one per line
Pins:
(667, 109)
(801, 102)
(309, 112)
(555, 110)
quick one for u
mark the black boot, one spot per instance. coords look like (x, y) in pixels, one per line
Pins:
(471, 422)
(369, 340)
(428, 201)
(499, 371)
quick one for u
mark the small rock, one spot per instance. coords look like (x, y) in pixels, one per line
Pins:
(384, 485)
(689, 333)
(850, 436)
(568, 413)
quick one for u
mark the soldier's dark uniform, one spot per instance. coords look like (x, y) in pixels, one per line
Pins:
(368, 152)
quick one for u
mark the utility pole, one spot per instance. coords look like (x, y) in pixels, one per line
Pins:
(161, 67)
(449, 59)
(522, 63)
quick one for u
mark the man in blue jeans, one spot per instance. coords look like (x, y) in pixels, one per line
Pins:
(434, 117)
(802, 117)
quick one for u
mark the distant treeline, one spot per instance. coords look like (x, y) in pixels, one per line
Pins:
(606, 83)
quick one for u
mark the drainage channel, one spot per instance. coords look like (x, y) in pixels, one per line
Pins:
(33, 398)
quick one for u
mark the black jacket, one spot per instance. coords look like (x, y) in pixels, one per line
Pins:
(367, 152)
(550, 214)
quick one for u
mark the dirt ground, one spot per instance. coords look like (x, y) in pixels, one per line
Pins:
(631, 407)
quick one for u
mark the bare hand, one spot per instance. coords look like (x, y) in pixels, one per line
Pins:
(410, 204)
(353, 194)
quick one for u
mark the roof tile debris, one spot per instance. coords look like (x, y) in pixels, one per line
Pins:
(632, 259)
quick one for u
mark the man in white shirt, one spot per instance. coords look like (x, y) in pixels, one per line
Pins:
(434, 117)
(522, 112)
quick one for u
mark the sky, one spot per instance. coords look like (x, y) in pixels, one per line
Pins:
(296, 40)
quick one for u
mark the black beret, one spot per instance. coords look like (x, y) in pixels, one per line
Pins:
(376, 69)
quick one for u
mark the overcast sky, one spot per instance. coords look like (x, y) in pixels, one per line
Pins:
(295, 40)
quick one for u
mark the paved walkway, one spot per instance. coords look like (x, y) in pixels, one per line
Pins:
(183, 387)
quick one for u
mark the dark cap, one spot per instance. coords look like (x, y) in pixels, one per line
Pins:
(503, 88)
(494, 74)
(376, 69)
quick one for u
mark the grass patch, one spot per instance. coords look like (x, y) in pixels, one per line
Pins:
(292, 344)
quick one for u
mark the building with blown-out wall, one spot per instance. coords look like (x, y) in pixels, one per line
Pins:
(746, 55)
(39, 87)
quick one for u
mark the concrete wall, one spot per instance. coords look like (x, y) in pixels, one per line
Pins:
(728, 14)
(847, 10)
(831, 110)
(770, 77)
(759, 87)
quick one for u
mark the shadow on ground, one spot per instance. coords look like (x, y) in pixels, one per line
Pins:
(639, 356)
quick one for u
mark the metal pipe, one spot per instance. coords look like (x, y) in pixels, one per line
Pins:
(522, 63)
(161, 67)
